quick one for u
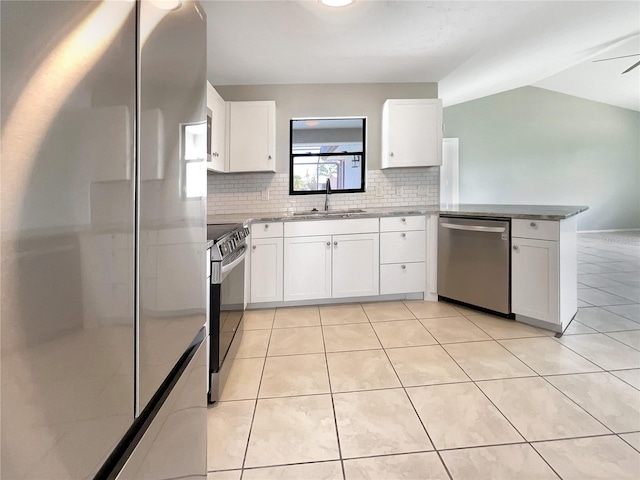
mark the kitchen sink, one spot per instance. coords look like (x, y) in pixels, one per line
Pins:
(329, 213)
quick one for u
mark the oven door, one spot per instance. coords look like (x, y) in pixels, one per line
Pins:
(227, 309)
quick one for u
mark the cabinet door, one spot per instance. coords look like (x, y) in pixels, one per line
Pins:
(266, 270)
(534, 279)
(252, 136)
(217, 160)
(412, 133)
(307, 268)
(355, 265)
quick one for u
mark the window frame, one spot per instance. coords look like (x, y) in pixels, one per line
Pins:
(362, 154)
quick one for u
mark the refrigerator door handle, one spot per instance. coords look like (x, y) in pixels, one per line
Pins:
(473, 228)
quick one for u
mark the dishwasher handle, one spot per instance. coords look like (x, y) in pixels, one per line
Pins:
(473, 228)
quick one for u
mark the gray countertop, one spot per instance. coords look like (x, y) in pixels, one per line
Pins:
(538, 212)
(535, 212)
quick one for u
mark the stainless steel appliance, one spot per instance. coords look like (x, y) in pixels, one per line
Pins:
(227, 300)
(474, 262)
(103, 194)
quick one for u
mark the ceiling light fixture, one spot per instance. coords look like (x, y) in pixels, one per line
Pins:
(336, 3)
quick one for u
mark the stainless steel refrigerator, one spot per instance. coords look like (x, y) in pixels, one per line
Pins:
(103, 216)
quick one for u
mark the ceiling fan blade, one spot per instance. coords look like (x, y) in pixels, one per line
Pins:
(631, 67)
(616, 58)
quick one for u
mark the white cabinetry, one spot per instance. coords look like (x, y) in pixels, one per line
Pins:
(266, 262)
(411, 133)
(251, 140)
(307, 268)
(216, 153)
(544, 272)
(402, 255)
(331, 259)
(355, 265)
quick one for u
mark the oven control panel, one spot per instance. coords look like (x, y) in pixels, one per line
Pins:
(229, 243)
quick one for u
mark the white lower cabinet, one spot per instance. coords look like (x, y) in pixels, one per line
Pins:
(266, 270)
(534, 274)
(331, 266)
(544, 285)
(307, 267)
(402, 255)
(355, 265)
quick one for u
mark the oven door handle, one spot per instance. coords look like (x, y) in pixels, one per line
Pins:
(227, 268)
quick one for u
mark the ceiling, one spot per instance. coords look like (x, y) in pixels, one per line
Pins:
(472, 49)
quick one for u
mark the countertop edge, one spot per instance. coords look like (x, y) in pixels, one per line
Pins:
(545, 212)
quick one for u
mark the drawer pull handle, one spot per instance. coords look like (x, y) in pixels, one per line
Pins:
(404, 267)
(515, 247)
(404, 235)
(533, 224)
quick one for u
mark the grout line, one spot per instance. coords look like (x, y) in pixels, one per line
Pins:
(255, 407)
(333, 406)
(413, 406)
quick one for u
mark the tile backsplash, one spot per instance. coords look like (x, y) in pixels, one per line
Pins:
(269, 192)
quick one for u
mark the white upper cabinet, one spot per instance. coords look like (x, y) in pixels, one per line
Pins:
(252, 136)
(216, 143)
(412, 133)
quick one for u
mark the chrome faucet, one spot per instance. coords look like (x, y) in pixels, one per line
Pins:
(326, 195)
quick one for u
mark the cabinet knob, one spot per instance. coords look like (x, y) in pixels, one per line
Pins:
(335, 244)
(403, 235)
(404, 267)
(269, 157)
(328, 244)
(515, 247)
(266, 226)
(533, 224)
(254, 247)
(403, 219)
(391, 154)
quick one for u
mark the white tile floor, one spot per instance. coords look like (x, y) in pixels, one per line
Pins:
(420, 390)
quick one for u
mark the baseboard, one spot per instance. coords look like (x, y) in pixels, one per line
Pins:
(611, 231)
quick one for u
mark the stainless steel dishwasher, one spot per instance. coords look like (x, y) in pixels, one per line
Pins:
(474, 262)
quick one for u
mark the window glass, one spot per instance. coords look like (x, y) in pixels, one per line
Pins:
(327, 150)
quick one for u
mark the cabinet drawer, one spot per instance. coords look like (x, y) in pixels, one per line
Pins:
(331, 227)
(402, 278)
(537, 229)
(397, 247)
(266, 229)
(393, 224)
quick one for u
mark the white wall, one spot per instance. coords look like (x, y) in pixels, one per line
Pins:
(535, 146)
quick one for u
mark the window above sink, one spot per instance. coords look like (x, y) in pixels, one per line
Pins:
(327, 149)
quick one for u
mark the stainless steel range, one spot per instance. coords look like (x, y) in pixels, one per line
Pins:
(227, 300)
